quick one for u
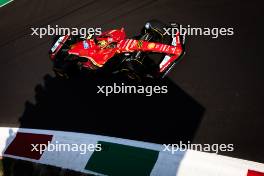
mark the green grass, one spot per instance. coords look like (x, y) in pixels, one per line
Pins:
(4, 2)
(117, 159)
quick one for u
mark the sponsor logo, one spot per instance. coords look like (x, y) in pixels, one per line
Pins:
(151, 45)
(139, 44)
(85, 44)
(58, 42)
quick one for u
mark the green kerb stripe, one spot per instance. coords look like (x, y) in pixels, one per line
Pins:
(116, 159)
(4, 2)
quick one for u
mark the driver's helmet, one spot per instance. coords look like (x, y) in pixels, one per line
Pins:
(102, 43)
(110, 36)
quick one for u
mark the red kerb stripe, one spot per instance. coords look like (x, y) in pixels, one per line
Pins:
(22, 145)
(254, 173)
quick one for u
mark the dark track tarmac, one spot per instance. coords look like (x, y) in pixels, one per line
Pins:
(216, 92)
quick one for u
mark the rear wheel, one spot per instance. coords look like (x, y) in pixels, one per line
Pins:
(156, 31)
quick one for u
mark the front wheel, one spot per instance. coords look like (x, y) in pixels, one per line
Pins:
(65, 68)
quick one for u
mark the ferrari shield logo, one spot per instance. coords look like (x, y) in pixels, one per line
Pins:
(151, 45)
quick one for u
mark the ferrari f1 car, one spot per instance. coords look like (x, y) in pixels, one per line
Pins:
(149, 54)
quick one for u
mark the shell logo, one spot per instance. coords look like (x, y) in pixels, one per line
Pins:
(151, 45)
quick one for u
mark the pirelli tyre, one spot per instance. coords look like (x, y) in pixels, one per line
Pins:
(159, 32)
(155, 31)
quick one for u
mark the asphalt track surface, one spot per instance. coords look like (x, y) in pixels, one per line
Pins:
(215, 94)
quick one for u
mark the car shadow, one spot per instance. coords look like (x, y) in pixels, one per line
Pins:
(75, 105)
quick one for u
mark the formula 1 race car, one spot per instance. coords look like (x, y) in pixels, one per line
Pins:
(114, 53)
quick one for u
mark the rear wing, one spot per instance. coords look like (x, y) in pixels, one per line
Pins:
(169, 61)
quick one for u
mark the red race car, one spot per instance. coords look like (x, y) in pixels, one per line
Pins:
(150, 54)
